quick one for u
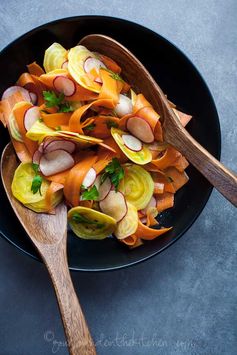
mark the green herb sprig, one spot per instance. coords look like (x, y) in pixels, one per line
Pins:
(37, 180)
(110, 124)
(90, 194)
(114, 171)
(79, 218)
(52, 100)
(114, 75)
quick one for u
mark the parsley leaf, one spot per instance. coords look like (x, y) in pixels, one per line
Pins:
(114, 171)
(37, 180)
(36, 184)
(90, 126)
(65, 107)
(90, 194)
(114, 75)
(52, 100)
(111, 124)
(79, 218)
(35, 167)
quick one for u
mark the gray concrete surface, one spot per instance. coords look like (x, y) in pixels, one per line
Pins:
(184, 300)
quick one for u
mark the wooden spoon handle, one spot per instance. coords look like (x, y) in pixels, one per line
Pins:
(77, 333)
(219, 176)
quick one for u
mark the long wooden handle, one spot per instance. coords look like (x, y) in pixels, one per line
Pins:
(219, 176)
(77, 333)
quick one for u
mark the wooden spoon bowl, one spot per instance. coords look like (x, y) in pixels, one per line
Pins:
(134, 72)
(49, 235)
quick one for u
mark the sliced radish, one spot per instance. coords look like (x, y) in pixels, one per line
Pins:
(143, 220)
(41, 147)
(64, 85)
(104, 188)
(93, 63)
(55, 144)
(55, 162)
(140, 129)
(65, 65)
(31, 116)
(132, 142)
(89, 179)
(12, 89)
(124, 106)
(114, 205)
(36, 157)
(98, 80)
(151, 203)
(33, 97)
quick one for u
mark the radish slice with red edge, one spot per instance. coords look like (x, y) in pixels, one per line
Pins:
(56, 144)
(104, 188)
(64, 85)
(89, 179)
(93, 63)
(132, 142)
(151, 203)
(55, 162)
(124, 106)
(12, 89)
(64, 65)
(140, 129)
(114, 205)
(31, 116)
(36, 157)
(33, 97)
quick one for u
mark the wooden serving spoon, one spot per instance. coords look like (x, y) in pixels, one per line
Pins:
(134, 72)
(49, 235)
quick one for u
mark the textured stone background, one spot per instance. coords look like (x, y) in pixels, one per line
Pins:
(184, 300)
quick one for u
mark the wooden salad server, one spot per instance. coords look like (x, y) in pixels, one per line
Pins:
(49, 235)
(134, 72)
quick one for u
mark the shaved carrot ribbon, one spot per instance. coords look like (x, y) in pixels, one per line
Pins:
(32, 83)
(162, 182)
(104, 158)
(35, 69)
(7, 105)
(179, 179)
(102, 126)
(169, 158)
(21, 151)
(147, 233)
(110, 63)
(109, 89)
(52, 189)
(55, 120)
(75, 124)
(130, 240)
(59, 178)
(75, 178)
(164, 201)
(119, 154)
(181, 164)
(151, 220)
(140, 102)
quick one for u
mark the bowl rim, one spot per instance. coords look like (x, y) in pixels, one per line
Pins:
(218, 136)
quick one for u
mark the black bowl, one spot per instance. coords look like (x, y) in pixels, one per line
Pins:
(178, 78)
